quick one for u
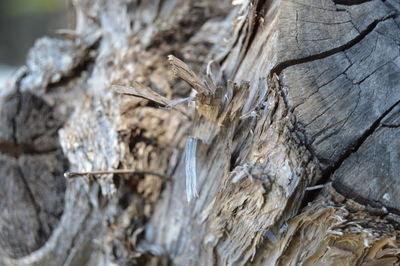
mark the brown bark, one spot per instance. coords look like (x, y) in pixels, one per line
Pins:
(224, 140)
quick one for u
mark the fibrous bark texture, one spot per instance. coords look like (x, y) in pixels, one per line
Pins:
(262, 132)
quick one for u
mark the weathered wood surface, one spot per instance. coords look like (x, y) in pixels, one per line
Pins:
(299, 93)
(32, 166)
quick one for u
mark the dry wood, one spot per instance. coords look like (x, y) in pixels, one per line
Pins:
(119, 172)
(289, 156)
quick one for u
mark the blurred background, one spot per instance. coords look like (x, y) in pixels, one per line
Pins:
(21, 23)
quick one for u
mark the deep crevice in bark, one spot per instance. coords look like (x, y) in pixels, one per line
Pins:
(390, 125)
(76, 72)
(358, 198)
(16, 150)
(41, 232)
(350, 2)
(283, 65)
(18, 105)
(330, 170)
(254, 29)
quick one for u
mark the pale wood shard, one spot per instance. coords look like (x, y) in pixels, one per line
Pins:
(182, 71)
(191, 176)
(293, 106)
(144, 92)
(148, 94)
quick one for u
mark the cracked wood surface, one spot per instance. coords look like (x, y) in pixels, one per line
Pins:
(299, 93)
(32, 186)
(342, 101)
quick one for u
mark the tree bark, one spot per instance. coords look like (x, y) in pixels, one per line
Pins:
(245, 132)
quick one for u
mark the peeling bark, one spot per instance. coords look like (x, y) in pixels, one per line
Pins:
(213, 133)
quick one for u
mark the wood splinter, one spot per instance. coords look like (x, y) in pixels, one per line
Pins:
(135, 172)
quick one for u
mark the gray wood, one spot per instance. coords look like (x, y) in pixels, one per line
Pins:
(31, 173)
(338, 110)
(299, 93)
(375, 164)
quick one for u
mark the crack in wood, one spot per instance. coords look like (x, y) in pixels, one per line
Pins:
(254, 26)
(18, 105)
(17, 150)
(327, 174)
(350, 2)
(41, 231)
(283, 65)
(75, 73)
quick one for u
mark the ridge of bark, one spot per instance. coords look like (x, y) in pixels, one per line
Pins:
(74, 239)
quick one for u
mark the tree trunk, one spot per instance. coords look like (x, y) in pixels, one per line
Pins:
(253, 132)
